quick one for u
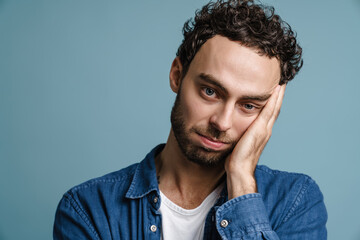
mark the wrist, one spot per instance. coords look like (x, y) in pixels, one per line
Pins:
(240, 185)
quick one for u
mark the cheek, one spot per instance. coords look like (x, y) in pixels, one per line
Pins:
(242, 124)
(196, 112)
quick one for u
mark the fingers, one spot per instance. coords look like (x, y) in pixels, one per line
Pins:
(247, 151)
(268, 111)
(277, 106)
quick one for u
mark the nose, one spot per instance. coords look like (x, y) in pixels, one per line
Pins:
(222, 118)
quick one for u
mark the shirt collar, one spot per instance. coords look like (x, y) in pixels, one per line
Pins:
(144, 180)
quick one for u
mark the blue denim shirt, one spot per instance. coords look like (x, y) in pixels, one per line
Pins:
(125, 205)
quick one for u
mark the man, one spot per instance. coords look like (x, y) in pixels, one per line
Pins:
(229, 75)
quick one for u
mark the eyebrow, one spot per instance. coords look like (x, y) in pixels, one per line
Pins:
(260, 98)
(212, 80)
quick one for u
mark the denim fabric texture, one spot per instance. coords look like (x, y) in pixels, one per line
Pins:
(124, 205)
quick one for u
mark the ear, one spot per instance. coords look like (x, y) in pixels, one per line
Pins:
(175, 75)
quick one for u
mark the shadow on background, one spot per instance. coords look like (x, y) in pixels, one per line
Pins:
(357, 2)
(358, 236)
(1, 8)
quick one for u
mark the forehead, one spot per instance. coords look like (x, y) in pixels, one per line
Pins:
(235, 66)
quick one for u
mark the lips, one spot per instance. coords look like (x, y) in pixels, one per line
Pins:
(212, 143)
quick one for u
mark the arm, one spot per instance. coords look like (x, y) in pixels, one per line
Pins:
(306, 219)
(245, 213)
(247, 217)
(240, 165)
(71, 221)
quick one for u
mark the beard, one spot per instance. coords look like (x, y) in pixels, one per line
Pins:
(198, 154)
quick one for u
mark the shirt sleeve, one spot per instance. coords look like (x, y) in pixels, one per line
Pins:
(245, 217)
(71, 221)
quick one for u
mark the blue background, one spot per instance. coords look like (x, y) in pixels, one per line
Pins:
(84, 91)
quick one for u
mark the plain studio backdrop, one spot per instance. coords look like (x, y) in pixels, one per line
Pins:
(84, 91)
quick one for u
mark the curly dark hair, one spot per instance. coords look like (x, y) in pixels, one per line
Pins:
(252, 24)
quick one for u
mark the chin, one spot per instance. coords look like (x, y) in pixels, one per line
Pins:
(206, 157)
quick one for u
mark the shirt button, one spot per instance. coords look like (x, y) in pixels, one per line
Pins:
(156, 199)
(153, 228)
(224, 223)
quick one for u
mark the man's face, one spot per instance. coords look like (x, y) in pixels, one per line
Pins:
(222, 93)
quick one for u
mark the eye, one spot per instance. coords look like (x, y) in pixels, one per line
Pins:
(249, 106)
(209, 92)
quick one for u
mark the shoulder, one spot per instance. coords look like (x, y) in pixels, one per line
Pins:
(105, 188)
(284, 184)
(265, 176)
(118, 177)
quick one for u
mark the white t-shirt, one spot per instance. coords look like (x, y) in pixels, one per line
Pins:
(180, 223)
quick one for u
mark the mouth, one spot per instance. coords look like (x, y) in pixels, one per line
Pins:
(212, 143)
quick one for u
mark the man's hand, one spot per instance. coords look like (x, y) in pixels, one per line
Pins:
(240, 165)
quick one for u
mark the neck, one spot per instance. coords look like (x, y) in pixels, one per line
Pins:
(184, 182)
